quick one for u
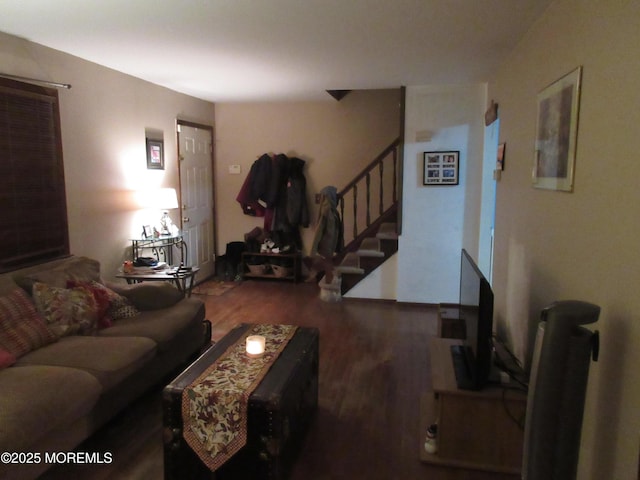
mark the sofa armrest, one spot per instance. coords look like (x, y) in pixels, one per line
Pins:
(148, 295)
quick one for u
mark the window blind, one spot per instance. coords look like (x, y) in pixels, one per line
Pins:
(33, 210)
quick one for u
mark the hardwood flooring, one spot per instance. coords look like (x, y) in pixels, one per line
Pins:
(374, 366)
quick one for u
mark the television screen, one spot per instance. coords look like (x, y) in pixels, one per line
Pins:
(470, 279)
(476, 310)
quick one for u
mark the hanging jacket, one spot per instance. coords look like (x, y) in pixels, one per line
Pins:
(328, 238)
(261, 173)
(250, 206)
(255, 192)
(297, 207)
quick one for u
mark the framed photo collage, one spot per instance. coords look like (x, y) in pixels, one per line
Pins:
(441, 168)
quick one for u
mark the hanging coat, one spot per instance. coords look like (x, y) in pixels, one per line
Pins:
(297, 207)
(328, 238)
(254, 187)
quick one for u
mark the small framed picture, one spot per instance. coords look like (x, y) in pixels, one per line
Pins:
(147, 231)
(155, 154)
(441, 168)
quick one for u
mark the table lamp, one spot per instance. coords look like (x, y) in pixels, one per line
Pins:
(163, 199)
(166, 200)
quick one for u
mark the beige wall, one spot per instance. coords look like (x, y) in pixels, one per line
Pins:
(581, 245)
(336, 140)
(104, 116)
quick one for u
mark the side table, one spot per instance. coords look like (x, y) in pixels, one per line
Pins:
(161, 246)
(183, 279)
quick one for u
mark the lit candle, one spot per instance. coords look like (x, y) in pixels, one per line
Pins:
(255, 345)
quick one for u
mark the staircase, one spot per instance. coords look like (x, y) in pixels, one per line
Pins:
(369, 247)
(373, 252)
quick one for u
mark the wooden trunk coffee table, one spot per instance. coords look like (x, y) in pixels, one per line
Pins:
(280, 410)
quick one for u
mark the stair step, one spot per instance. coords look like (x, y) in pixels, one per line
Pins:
(355, 270)
(350, 264)
(387, 231)
(370, 247)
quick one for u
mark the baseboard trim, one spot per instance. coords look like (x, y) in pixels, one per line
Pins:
(391, 301)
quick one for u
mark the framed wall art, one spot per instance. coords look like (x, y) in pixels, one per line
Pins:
(155, 154)
(557, 133)
(441, 168)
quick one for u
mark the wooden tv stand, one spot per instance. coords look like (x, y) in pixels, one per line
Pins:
(450, 323)
(474, 429)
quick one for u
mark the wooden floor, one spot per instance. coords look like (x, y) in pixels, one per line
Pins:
(374, 366)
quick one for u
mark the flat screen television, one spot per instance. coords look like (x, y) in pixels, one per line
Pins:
(473, 359)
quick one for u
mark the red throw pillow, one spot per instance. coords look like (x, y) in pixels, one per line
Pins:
(6, 359)
(101, 296)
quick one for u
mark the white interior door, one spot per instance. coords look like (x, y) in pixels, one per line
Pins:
(196, 196)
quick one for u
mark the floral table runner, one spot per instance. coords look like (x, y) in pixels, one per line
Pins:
(214, 406)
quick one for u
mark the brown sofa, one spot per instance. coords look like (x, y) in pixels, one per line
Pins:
(84, 354)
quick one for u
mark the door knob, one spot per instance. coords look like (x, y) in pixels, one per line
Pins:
(186, 219)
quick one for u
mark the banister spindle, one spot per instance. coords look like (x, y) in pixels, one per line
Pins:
(355, 211)
(341, 202)
(368, 181)
(395, 175)
(381, 192)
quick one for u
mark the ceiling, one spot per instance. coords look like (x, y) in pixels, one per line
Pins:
(262, 50)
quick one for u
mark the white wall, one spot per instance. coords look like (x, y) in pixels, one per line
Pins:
(104, 116)
(581, 245)
(438, 221)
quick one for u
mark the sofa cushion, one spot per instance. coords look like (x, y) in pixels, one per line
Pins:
(162, 325)
(39, 399)
(7, 284)
(22, 329)
(110, 360)
(81, 269)
(149, 295)
(67, 311)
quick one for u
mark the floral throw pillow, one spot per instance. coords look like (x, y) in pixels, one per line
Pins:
(22, 328)
(67, 311)
(101, 298)
(119, 307)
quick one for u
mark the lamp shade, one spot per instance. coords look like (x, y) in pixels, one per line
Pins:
(160, 198)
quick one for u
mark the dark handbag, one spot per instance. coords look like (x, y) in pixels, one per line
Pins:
(145, 262)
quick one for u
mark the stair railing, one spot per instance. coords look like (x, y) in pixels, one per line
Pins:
(379, 181)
